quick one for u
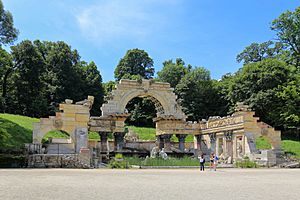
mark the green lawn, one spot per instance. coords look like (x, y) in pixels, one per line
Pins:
(262, 143)
(148, 134)
(291, 147)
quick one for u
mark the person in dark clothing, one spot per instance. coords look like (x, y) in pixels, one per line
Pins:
(202, 162)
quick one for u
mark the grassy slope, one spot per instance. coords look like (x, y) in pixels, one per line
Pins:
(15, 130)
(291, 147)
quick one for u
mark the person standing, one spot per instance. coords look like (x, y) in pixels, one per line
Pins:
(212, 161)
(215, 162)
(202, 162)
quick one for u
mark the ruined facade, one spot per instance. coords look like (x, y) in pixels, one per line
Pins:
(230, 137)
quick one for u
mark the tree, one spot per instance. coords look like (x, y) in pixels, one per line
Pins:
(173, 72)
(92, 85)
(257, 84)
(257, 52)
(109, 86)
(287, 26)
(197, 94)
(8, 33)
(134, 65)
(44, 74)
(6, 68)
(29, 86)
(142, 111)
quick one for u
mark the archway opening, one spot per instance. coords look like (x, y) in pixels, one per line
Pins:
(56, 136)
(142, 110)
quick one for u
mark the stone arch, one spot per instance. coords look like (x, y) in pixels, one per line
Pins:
(159, 92)
(46, 125)
(160, 102)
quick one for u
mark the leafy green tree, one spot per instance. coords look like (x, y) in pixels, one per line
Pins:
(197, 95)
(92, 85)
(45, 74)
(8, 33)
(142, 111)
(289, 94)
(28, 80)
(173, 72)
(287, 26)
(6, 68)
(109, 86)
(257, 52)
(136, 64)
(257, 85)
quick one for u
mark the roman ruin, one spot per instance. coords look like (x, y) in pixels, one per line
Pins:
(231, 137)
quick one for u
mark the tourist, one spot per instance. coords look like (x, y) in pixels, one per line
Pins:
(202, 162)
(211, 159)
(215, 162)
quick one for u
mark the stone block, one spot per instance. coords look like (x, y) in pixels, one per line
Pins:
(81, 138)
(82, 117)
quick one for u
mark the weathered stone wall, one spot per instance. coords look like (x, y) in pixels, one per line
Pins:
(71, 117)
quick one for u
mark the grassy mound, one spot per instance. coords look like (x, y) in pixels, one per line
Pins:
(15, 130)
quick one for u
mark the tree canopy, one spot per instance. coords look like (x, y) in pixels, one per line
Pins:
(8, 33)
(136, 64)
(173, 72)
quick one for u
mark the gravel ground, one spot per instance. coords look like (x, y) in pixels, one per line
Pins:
(149, 184)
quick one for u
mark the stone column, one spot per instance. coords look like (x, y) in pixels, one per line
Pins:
(160, 141)
(199, 140)
(167, 142)
(181, 139)
(212, 137)
(103, 142)
(119, 140)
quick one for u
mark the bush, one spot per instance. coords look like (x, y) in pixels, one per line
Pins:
(246, 163)
(118, 162)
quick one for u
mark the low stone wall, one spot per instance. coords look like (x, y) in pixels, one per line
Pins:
(56, 161)
(142, 145)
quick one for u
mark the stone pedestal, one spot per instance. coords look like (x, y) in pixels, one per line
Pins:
(81, 136)
(103, 142)
(119, 140)
(181, 139)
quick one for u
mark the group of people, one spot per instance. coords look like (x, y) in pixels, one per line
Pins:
(213, 161)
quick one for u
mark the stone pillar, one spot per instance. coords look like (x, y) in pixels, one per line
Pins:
(181, 139)
(212, 137)
(160, 142)
(119, 140)
(103, 142)
(167, 142)
(199, 140)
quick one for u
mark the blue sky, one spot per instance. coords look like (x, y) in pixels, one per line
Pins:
(207, 33)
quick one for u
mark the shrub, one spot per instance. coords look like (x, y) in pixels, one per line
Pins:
(118, 162)
(246, 163)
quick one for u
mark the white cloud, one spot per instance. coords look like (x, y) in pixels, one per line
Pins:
(114, 20)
